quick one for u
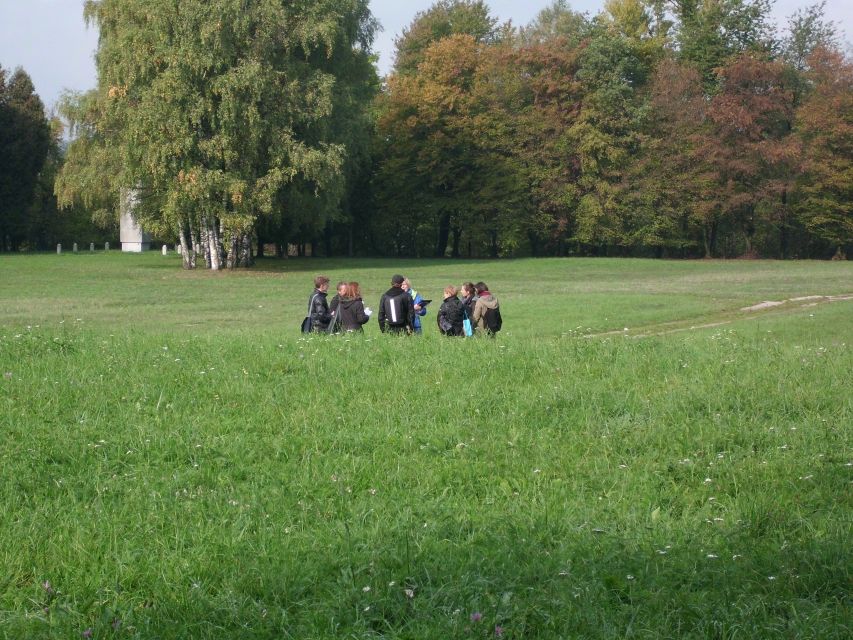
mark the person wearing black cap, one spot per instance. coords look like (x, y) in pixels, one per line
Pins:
(396, 313)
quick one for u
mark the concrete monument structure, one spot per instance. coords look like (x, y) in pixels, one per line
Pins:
(133, 239)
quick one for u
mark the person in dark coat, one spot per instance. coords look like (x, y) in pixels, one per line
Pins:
(335, 323)
(396, 312)
(351, 311)
(451, 313)
(319, 308)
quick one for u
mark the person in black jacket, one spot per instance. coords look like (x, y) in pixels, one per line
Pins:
(450, 314)
(396, 313)
(335, 322)
(319, 308)
(351, 312)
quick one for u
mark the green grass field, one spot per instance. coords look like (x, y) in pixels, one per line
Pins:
(634, 456)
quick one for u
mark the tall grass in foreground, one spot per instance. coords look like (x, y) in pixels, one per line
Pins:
(254, 486)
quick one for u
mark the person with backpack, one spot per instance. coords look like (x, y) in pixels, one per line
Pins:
(318, 308)
(451, 314)
(487, 311)
(396, 311)
(351, 312)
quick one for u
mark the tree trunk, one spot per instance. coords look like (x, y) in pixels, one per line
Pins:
(327, 239)
(187, 250)
(457, 237)
(783, 227)
(231, 260)
(534, 244)
(205, 242)
(246, 251)
(443, 235)
(213, 245)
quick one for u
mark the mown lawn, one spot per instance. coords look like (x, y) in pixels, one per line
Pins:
(177, 461)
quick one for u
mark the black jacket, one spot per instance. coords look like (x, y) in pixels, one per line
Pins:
(319, 311)
(351, 314)
(396, 311)
(450, 317)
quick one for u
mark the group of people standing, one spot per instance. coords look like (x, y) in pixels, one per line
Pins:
(401, 309)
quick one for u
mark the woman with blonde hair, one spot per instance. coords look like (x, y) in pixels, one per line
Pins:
(351, 309)
(419, 305)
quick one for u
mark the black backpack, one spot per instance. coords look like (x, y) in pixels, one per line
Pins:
(493, 320)
(395, 310)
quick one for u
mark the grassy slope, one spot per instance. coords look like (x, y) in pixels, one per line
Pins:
(195, 468)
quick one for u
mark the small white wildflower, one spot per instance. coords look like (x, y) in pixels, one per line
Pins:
(410, 593)
(629, 577)
(771, 577)
(537, 471)
(708, 481)
(366, 589)
(367, 608)
(712, 556)
(392, 583)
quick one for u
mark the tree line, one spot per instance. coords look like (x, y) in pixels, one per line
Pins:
(668, 128)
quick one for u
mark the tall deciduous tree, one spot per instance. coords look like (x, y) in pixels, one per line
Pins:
(24, 142)
(808, 29)
(615, 69)
(709, 32)
(210, 111)
(825, 126)
(437, 162)
(443, 19)
(746, 146)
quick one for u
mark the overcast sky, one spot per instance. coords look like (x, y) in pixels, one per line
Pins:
(50, 41)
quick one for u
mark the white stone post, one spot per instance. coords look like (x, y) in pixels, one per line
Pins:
(133, 239)
(165, 250)
(91, 247)
(58, 249)
(75, 247)
(106, 246)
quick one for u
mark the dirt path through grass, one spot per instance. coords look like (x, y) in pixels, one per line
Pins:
(744, 313)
